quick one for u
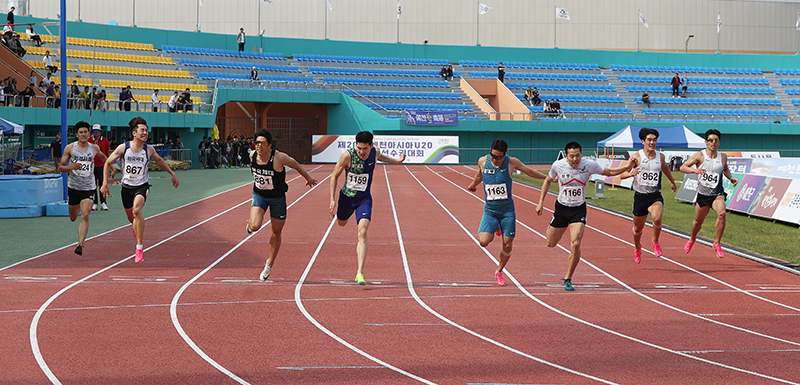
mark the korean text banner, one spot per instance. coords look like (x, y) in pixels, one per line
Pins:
(418, 149)
(432, 118)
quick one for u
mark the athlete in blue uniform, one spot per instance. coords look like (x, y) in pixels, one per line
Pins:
(135, 156)
(358, 163)
(498, 211)
(709, 165)
(269, 191)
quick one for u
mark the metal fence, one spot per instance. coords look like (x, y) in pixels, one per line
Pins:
(102, 105)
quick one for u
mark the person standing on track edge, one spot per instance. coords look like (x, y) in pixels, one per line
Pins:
(709, 165)
(81, 184)
(647, 190)
(135, 176)
(269, 191)
(572, 173)
(498, 212)
(358, 163)
(105, 147)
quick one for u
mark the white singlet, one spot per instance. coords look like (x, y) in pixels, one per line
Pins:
(648, 179)
(134, 166)
(572, 181)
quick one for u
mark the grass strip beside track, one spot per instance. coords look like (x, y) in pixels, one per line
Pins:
(28, 237)
(775, 240)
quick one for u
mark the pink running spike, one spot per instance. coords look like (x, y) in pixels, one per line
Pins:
(688, 246)
(139, 256)
(657, 249)
(637, 255)
(718, 249)
(498, 275)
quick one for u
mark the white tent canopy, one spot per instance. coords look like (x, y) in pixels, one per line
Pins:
(669, 137)
(10, 127)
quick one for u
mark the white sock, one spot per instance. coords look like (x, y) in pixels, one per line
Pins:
(139, 247)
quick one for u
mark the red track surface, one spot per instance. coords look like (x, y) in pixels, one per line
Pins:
(680, 319)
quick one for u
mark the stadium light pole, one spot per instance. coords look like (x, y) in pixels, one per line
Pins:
(687, 43)
(63, 45)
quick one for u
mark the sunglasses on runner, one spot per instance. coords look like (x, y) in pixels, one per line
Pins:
(260, 143)
(497, 157)
(712, 140)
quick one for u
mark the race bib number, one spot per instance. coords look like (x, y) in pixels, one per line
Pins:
(85, 170)
(708, 180)
(496, 192)
(648, 178)
(263, 182)
(357, 182)
(134, 172)
(572, 194)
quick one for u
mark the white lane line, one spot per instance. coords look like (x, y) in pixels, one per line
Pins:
(299, 301)
(650, 252)
(173, 308)
(533, 297)
(445, 319)
(35, 322)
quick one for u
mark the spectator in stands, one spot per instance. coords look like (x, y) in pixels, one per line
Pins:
(33, 79)
(100, 101)
(556, 107)
(83, 98)
(676, 83)
(72, 95)
(55, 150)
(173, 102)
(254, 75)
(529, 96)
(536, 99)
(90, 105)
(213, 155)
(57, 97)
(8, 28)
(42, 86)
(3, 84)
(48, 62)
(449, 72)
(240, 39)
(51, 94)
(10, 17)
(33, 36)
(443, 72)
(187, 100)
(501, 72)
(27, 94)
(125, 98)
(177, 144)
(155, 100)
(11, 91)
(236, 154)
(685, 84)
(16, 46)
(646, 99)
(5, 39)
(546, 106)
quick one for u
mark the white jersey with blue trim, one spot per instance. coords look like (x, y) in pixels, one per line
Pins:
(135, 170)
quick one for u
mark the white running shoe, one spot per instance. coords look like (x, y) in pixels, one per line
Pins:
(265, 273)
(94, 207)
(103, 206)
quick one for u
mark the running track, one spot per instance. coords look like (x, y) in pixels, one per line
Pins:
(194, 312)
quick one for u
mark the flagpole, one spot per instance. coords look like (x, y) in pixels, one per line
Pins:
(638, 30)
(259, 18)
(797, 27)
(398, 22)
(325, 8)
(554, 27)
(478, 23)
(718, 29)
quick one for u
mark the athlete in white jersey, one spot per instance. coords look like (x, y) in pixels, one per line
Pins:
(572, 174)
(709, 165)
(78, 162)
(647, 197)
(135, 187)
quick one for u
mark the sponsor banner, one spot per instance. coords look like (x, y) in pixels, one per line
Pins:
(688, 189)
(771, 195)
(749, 188)
(418, 149)
(789, 206)
(729, 188)
(781, 168)
(432, 118)
(740, 165)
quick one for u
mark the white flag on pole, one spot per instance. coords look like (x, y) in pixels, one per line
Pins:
(562, 13)
(641, 19)
(399, 10)
(483, 8)
(719, 22)
(267, 1)
(330, 6)
(797, 25)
